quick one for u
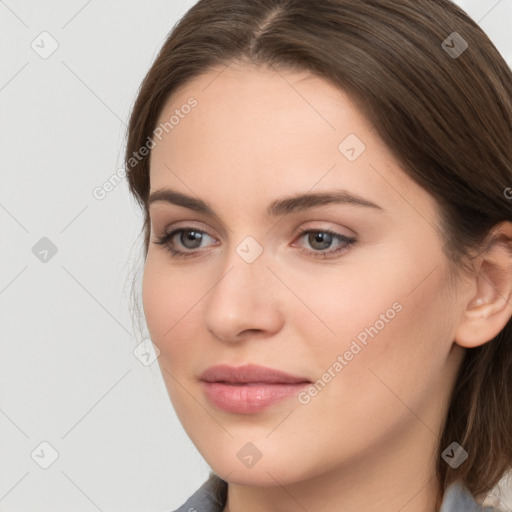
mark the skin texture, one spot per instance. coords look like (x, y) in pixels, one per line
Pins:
(367, 440)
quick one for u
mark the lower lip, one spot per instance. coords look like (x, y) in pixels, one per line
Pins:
(249, 398)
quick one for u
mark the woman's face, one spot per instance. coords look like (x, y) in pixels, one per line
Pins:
(360, 306)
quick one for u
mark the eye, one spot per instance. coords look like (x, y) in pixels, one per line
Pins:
(189, 238)
(185, 242)
(322, 239)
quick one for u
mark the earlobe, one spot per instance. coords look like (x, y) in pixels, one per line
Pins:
(490, 308)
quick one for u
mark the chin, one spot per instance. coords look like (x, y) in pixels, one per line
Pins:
(270, 470)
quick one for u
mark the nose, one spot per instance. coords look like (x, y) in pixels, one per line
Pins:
(245, 301)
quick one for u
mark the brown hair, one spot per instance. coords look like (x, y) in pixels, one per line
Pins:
(446, 118)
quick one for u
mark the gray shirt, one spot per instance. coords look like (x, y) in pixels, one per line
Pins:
(210, 497)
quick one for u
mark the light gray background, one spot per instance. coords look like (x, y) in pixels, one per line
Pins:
(68, 374)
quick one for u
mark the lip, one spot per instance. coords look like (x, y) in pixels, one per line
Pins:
(250, 388)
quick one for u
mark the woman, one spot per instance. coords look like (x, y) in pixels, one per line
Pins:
(328, 259)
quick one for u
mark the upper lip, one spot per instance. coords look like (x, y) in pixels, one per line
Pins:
(249, 373)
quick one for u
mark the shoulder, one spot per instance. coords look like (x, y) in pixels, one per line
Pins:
(457, 498)
(210, 497)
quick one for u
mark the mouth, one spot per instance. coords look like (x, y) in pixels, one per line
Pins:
(249, 389)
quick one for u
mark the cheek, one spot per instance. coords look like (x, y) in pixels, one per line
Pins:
(172, 313)
(345, 303)
(168, 301)
(390, 340)
(157, 301)
(389, 290)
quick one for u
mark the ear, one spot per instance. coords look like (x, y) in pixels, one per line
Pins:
(490, 307)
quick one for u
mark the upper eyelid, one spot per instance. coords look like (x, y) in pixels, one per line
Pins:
(309, 225)
(188, 225)
(178, 230)
(155, 219)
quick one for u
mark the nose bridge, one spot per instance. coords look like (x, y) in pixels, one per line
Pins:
(245, 274)
(244, 297)
(245, 265)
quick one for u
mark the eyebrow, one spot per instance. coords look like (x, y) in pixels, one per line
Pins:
(276, 208)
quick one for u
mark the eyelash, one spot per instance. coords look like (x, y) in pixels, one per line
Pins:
(347, 243)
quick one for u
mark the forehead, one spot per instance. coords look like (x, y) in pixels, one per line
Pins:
(244, 116)
(257, 132)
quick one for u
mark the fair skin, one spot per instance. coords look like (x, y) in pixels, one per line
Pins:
(367, 440)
